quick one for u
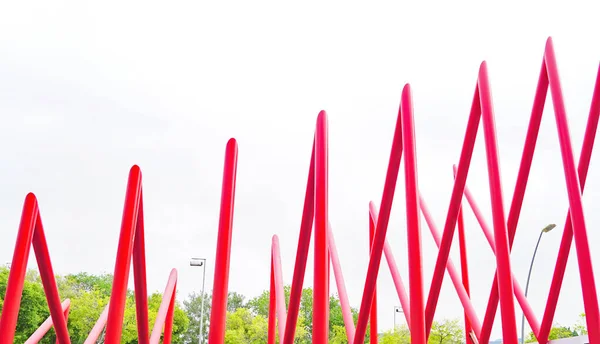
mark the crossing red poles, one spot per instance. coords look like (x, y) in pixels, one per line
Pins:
(321, 273)
(529, 313)
(453, 209)
(47, 325)
(301, 253)
(565, 244)
(164, 317)
(279, 291)
(464, 267)
(415, 257)
(127, 245)
(389, 256)
(341, 287)
(218, 314)
(505, 285)
(380, 231)
(588, 284)
(272, 325)
(454, 276)
(517, 202)
(373, 318)
(31, 232)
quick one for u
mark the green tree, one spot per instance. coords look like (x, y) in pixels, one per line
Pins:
(556, 332)
(446, 332)
(401, 335)
(244, 327)
(193, 309)
(581, 327)
(34, 308)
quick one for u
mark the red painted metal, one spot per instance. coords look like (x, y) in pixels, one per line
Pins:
(164, 316)
(218, 314)
(321, 277)
(31, 232)
(373, 317)
(47, 325)
(418, 311)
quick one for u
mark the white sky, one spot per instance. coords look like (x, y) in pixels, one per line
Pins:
(88, 89)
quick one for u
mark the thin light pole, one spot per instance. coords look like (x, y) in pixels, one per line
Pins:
(397, 309)
(546, 229)
(201, 262)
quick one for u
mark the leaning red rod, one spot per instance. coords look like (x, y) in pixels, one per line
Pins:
(31, 232)
(218, 313)
(47, 325)
(166, 311)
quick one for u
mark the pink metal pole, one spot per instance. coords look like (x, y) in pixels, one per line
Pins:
(380, 232)
(218, 314)
(389, 256)
(47, 325)
(505, 285)
(415, 258)
(321, 292)
(453, 210)
(565, 244)
(341, 287)
(98, 328)
(164, 309)
(124, 253)
(302, 253)
(279, 291)
(374, 338)
(271, 330)
(454, 276)
(31, 232)
(588, 283)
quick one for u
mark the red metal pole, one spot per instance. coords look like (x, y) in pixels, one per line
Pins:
(453, 210)
(380, 232)
(464, 267)
(505, 285)
(271, 331)
(415, 258)
(588, 284)
(118, 295)
(168, 334)
(341, 286)
(98, 328)
(374, 339)
(565, 243)
(39, 334)
(218, 314)
(321, 292)
(302, 253)
(454, 276)
(279, 291)
(139, 275)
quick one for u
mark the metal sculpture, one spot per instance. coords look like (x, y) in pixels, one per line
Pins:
(419, 307)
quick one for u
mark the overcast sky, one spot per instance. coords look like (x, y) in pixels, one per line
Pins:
(89, 89)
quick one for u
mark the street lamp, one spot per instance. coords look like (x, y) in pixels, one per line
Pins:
(397, 310)
(200, 262)
(546, 229)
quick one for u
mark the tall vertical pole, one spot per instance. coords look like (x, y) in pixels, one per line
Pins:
(218, 314)
(373, 318)
(201, 332)
(321, 275)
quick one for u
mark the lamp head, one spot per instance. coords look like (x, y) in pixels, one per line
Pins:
(197, 262)
(548, 228)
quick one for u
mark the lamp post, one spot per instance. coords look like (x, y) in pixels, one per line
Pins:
(546, 229)
(200, 262)
(397, 309)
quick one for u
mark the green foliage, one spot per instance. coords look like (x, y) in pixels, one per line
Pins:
(446, 331)
(580, 326)
(557, 332)
(401, 335)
